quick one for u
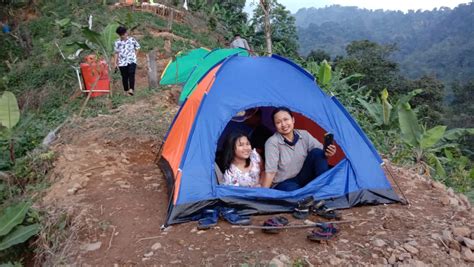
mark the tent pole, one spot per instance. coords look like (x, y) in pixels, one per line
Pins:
(389, 170)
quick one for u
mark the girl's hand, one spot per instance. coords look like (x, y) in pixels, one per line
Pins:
(330, 151)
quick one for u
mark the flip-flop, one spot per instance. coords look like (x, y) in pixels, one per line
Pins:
(230, 215)
(208, 219)
(324, 231)
(320, 209)
(274, 221)
(301, 211)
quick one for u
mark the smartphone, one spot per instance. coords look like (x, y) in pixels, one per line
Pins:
(328, 140)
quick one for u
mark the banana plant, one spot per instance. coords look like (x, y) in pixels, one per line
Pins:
(421, 141)
(381, 111)
(12, 229)
(9, 117)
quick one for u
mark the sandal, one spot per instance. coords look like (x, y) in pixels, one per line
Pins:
(320, 209)
(326, 231)
(208, 219)
(230, 215)
(276, 221)
(302, 209)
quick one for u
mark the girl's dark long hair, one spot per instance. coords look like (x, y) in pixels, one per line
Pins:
(229, 149)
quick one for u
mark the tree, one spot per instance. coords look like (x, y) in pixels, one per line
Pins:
(318, 56)
(284, 40)
(430, 102)
(373, 61)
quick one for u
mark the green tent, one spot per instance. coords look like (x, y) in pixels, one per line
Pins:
(210, 60)
(178, 70)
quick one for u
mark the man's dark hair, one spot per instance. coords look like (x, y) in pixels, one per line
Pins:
(237, 35)
(229, 149)
(121, 30)
(278, 109)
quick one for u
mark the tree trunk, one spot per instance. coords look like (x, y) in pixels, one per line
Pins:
(170, 19)
(152, 71)
(265, 4)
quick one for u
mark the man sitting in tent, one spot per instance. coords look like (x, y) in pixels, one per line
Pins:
(293, 157)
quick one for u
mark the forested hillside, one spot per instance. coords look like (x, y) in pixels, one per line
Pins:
(439, 42)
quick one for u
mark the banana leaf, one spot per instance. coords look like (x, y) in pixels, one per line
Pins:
(19, 235)
(324, 74)
(411, 130)
(13, 216)
(432, 136)
(9, 111)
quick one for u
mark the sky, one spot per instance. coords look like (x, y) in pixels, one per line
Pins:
(403, 5)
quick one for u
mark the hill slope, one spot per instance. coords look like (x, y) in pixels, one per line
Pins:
(439, 41)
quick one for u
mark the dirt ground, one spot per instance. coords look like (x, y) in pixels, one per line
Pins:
(105, 175)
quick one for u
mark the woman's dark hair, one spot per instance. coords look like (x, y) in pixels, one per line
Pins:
(121, 30)
(278, 109)
(229, 149)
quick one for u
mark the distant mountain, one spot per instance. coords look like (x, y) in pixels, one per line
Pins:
(438, 42)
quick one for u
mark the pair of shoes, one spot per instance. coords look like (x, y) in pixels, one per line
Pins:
(130, 92)
(320, 209)
(231, 216)
(324, 231)
(302, 209)
(276, 221)
(207, 219)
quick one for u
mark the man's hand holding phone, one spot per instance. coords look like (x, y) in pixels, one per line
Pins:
(329, 147)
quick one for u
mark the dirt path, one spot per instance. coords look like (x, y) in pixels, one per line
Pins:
(105, 172)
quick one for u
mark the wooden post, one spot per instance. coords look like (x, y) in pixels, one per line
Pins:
(152, 71)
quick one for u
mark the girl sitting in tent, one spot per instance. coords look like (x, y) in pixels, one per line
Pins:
(242, 164)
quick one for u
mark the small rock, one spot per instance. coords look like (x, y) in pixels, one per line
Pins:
(335, 261)
(149, 254)
(125, 161)
(450, 192)
(280, 261)
(410, 248)
(148, 178)
(453, 202)
(392, 259)
(444, 200)
(371, 212)
(156, 246)
(413, 243)
(181, 242)
(385, 261)
(375, 256)
(438, 185)
(200, 232)
(435, 236)
(447, 236)
(461, 231)
(194, 230)
(455, 245)
(404, 256)
(71, 191)
(251, 232)
(379, 243)
(344, 240)
(455, 254)
(469, 243)
(308, 222)
(91, 246)
(467, 255)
